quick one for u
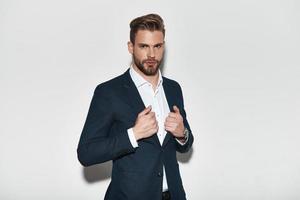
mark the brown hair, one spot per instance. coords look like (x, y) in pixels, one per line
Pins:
(151, 22)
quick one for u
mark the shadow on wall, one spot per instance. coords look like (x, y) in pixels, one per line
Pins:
(185, 157)
(97, 172)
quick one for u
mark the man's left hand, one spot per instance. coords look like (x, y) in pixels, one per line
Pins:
(174, 123)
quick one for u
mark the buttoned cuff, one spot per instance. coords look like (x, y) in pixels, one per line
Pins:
(132, 138)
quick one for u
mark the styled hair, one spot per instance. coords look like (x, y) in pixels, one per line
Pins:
(151, 22)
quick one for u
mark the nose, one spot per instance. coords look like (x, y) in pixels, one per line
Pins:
(151, 52)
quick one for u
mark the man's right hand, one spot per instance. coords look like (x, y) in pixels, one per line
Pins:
(145, 124)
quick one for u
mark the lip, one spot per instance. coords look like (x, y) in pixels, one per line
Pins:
(151, 62)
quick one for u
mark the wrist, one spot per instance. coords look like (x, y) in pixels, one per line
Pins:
(185, 135)
(135, 133)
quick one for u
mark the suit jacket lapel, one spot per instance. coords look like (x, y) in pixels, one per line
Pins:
(170, 99)
(132, 97)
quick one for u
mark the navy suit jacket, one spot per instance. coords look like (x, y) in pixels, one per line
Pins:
(137, 172)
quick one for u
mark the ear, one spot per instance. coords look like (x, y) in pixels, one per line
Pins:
(130, 47)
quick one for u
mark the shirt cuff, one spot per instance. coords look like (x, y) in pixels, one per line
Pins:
(132, 138)
(187, 138)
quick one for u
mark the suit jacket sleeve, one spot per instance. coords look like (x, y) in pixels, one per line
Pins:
(179, 147)
(102, 138)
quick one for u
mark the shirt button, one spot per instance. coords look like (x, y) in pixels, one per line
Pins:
(159, 174)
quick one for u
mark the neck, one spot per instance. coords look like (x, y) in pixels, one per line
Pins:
(151, 79)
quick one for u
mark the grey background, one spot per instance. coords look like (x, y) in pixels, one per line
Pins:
(238, 65)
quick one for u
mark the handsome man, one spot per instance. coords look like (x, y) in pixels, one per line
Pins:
(138, 121)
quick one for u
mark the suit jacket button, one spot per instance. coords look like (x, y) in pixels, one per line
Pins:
(159, 174)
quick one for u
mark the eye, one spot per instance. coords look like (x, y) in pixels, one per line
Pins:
(143, 46)
(158, 46)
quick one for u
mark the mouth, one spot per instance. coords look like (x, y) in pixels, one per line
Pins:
(150, 62)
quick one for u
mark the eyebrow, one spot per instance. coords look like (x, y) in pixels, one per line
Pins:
(144, 44)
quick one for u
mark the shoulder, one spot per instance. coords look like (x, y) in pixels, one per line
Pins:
(171, 83)
(110, 85)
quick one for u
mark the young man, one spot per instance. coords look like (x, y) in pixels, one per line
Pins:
(138, 121)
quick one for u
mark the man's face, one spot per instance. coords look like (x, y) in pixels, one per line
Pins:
(147, 51)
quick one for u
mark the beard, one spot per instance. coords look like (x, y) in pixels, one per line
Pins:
(149, 67)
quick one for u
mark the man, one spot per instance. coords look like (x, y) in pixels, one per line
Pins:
(138, 121)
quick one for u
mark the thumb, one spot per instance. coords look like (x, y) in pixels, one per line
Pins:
(145, 111)
(176, 109)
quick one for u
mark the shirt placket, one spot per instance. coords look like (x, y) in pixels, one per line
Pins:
(159, 115)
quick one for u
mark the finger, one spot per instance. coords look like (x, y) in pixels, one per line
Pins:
(150, 116)
(171, 125)
(171, 119)
(173, 115)
(153, 122)
(176, 109)
(150, 126)
(145, 111)
(169, 128)
(154, 130)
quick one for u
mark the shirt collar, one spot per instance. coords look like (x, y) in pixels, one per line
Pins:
(140, 81)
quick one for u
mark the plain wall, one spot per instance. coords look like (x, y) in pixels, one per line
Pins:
(237, 62)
